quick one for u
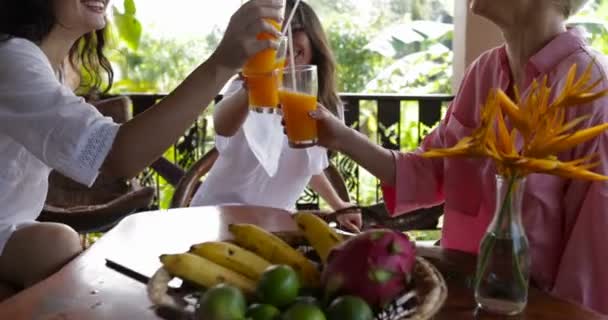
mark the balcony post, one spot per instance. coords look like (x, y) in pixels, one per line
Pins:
(472, 36)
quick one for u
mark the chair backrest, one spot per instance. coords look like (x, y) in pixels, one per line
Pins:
(118, 108)
(187, 185)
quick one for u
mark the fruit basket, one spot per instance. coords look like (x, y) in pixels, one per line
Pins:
(421, 300)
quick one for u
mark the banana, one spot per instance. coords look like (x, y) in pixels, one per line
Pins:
(275, 250)
(232, 257)
(204, 272)
(318, 233)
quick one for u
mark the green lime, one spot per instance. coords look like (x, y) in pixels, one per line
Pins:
(262, 312)
(278, 286)
(308, 300)
(303, 311)
(222, 302)
(349, 308)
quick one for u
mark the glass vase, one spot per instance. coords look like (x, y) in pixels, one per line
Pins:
(503, 263)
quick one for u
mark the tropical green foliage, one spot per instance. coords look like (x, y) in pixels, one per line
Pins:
(593, 20)
(380, 55)
(128, 27)
(357, 65)
(158, 65)
(405, 46)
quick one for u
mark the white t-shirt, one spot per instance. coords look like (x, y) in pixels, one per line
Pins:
(43, 126)
(238, 177)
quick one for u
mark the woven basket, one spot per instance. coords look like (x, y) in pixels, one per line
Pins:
(423, 302)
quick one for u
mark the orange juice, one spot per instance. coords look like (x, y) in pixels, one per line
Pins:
(266, 36)
(263, 61)
(301, 128)
(263, 89)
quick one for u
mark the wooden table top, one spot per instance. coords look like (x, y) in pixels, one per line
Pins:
(87, 289)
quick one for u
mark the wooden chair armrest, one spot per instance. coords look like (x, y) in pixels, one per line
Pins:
(184, 191)
(168, 170)
(423, 219)
(99, 217)
(118, 108)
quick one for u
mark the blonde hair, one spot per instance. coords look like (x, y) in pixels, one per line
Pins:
(571, 7)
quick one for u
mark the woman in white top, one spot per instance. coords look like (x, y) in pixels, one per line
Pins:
(239, 175)
(44, 126)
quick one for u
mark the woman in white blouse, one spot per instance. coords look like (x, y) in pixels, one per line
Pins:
(44, 126)
(246, 171)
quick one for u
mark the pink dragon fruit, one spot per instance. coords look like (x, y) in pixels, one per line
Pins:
(375, 266)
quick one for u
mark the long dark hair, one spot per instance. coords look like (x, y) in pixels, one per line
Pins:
(306, 20)
(34, 19)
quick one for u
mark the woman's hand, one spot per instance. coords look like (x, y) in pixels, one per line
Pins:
(335, 135)
(330, 130)
(352, 222)
(240, 39)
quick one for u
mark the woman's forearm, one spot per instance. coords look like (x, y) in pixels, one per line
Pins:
(230, 113)
(144, 138)
(321, 185)
(377, 160)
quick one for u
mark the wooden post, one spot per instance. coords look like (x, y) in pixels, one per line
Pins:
(472, 36)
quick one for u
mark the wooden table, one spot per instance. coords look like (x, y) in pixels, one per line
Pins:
(87, 289)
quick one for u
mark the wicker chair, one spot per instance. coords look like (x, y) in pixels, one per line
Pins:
(100, 207)
(185, 182)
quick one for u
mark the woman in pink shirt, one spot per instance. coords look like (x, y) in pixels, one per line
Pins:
(565, 219)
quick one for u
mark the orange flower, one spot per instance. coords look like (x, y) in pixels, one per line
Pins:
(540, 124)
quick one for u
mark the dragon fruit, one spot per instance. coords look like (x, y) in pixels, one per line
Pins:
(376, 266)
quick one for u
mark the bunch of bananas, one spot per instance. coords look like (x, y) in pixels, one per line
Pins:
(242, 263)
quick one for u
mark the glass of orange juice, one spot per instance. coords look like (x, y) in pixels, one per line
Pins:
(262, 87)
(264, 61)
(298, 96)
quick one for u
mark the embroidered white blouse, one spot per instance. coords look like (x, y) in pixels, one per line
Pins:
(43, 126)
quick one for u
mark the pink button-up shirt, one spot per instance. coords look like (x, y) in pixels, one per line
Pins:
(565, 220)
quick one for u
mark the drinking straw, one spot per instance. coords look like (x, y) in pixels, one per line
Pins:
(290, 17)
(292, 62)
(290, 43)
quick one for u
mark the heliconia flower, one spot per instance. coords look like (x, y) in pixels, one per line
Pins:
(513, 111)
(578, 173)
(540, 124)
(565, 142)
(572, 124)
(578, 92)
(505, 141)
(462, 148)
